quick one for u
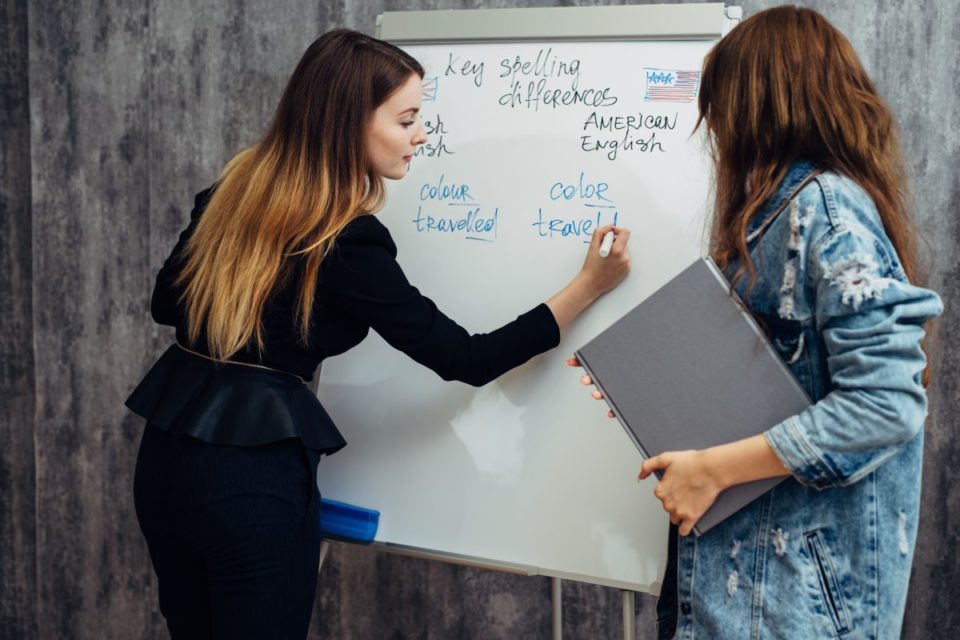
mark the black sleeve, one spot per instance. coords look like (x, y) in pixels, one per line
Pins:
(362, 276)
(163, 303)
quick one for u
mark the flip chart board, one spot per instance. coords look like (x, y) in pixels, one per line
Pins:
(544, 124)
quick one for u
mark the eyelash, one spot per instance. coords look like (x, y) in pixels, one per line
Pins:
(408, 123)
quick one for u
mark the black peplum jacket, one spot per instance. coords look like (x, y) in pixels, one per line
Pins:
(360, 286)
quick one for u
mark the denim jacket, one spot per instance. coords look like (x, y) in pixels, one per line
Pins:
(827, 553)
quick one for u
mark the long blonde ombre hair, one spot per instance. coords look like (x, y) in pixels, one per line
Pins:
(279, 206)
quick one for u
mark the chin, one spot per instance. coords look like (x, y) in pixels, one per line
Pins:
(396, 174)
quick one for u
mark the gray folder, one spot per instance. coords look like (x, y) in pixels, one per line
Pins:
(689, 368)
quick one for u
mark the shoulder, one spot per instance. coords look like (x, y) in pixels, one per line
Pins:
(837, 202)
(834, 215)
(363, 246)
(847, 204)
(842, 254)
(365, 230)
(363, 262)
(832, 203)
(848, 224)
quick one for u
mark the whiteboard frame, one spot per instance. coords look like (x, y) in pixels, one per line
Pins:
(680, 22)
(698, 21)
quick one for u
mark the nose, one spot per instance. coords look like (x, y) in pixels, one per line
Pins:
(420, 135)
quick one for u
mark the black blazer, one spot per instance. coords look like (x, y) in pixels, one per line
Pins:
(360, 286)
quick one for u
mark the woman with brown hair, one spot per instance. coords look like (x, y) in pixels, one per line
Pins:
(283, 265)
(812, 227)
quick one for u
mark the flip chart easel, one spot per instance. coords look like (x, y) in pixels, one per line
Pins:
(543, 124)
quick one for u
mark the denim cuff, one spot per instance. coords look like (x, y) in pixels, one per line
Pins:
(788, 441)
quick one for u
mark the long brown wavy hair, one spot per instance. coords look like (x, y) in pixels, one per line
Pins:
(278, 206)
(786, 85)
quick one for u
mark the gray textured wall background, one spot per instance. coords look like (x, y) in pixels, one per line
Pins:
(112, 115)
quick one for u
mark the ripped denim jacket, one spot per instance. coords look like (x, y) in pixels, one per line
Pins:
(827, 553)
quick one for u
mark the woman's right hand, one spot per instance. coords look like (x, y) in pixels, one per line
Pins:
(596, 277)
(604, 274)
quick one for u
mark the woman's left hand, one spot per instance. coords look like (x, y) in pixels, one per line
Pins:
(586, 380)
(688, 488)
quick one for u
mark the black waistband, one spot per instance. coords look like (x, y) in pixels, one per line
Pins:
(239, 363)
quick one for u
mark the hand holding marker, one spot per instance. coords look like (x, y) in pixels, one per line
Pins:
(608, 260)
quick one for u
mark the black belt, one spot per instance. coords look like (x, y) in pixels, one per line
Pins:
(242, 364)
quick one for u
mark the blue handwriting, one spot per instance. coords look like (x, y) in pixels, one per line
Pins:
(585, 190)
(473, 223)
(442, 191)
(577, 227)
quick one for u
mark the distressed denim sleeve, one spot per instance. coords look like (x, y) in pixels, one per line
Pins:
(871, 323)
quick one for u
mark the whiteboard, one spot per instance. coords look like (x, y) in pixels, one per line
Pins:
(532, 145)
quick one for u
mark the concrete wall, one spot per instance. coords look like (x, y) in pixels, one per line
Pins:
(112, 117)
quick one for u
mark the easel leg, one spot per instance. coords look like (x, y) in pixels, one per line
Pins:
(557, 598)
(324, 550)
(629, 617)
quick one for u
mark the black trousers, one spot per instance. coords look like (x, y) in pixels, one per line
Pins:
(233, 533)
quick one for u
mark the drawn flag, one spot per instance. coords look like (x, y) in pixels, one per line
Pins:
(430, 89)
(667, 85)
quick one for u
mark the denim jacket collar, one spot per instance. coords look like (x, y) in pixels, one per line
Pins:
(799, 171)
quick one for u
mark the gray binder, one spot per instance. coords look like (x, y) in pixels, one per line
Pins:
(690, 368)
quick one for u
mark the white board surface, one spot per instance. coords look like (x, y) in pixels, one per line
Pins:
(492, 219)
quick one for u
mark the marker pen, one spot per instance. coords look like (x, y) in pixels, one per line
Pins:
(606, 243)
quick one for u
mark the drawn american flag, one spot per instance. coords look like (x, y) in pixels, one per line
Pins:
(670, 85)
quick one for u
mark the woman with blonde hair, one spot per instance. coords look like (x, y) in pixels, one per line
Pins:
(283, 265)
(811, 225)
